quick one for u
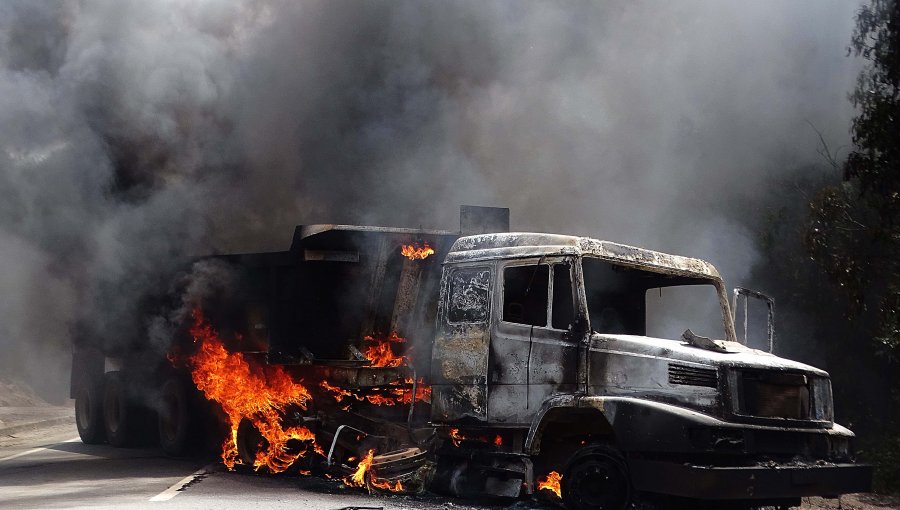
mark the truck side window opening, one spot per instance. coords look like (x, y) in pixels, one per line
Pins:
(469, 295)
(525, 290)
(563, 305)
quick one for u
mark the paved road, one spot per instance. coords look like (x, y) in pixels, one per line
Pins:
(51, 468)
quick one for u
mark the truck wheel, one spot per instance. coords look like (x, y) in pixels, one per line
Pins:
(597, 479)
(249, 442)
(117, 411)
(176, 423)
(89, 412)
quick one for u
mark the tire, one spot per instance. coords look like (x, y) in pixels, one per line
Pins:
(597, 478)
(118, 413)
(249, 442)
(176, 422)
(89, 412)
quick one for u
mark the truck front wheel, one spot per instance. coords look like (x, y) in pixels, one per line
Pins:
(89, 412)
(597, 479)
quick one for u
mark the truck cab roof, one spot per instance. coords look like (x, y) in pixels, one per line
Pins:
(526, 244)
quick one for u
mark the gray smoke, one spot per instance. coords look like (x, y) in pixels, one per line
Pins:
(133, 133)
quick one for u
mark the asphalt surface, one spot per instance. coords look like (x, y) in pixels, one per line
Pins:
(45, 465)
(49, 467)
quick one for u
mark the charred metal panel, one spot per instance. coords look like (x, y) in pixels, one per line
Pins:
(377, 266)
(482, 220)
(617, 368)
(407, 295)
(553, 367)
(460, 351)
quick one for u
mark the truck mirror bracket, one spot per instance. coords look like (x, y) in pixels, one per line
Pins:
(770, 306)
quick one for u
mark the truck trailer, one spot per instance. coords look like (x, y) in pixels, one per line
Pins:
(516, 362)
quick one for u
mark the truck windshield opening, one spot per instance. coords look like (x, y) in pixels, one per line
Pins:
(630, 301)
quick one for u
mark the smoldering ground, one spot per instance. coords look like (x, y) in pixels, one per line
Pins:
(135, 133)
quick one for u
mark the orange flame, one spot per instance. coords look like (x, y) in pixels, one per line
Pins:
(416, 252)
(551, 482)
(380, 353)
(386, 485)
(358, 479)
(245, 390)
(457, 438)
(384, 396)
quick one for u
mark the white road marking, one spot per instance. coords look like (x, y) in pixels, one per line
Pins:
(35, 450)
(176, 487)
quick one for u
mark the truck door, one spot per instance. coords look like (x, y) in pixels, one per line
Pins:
(531, 354)
(460, 352)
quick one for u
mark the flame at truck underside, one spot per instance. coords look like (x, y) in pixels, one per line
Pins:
(552, 483)
(247, 390)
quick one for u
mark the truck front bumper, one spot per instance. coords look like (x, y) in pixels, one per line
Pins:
(760, 482)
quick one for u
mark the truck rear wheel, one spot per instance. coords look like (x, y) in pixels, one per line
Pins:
(597, 479)
(176, 422)
(89, 412)
(117, 411)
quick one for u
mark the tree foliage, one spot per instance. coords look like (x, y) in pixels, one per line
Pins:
(854, 231)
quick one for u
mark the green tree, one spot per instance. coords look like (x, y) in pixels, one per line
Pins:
(854, 231)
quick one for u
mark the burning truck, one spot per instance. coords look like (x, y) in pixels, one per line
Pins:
(475, 363)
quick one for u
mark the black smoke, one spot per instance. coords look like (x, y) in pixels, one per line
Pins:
(133, 134)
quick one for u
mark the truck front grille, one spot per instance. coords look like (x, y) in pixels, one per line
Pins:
(769, 394)
(692, 376)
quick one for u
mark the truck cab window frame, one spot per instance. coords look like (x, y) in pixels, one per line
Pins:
(551, 301)
(526, 294)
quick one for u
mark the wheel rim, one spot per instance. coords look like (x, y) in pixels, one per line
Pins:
(599, 483)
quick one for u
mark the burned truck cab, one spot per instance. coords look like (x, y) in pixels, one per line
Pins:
(559, 347)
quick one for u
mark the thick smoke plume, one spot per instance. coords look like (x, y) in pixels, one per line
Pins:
(133, 133)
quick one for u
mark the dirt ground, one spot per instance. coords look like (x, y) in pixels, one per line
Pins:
(16, 394)
(865, 501)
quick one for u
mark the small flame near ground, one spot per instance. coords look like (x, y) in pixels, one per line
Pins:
(358, 478)
(551, 482)
(416, 251)
(457, 438)
(259, 393)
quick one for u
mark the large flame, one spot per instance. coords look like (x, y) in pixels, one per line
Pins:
(551, 482)
(416, 252)
(259, 393)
